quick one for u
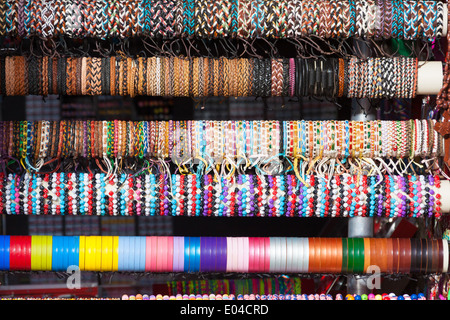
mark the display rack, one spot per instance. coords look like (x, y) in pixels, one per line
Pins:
(119, 53)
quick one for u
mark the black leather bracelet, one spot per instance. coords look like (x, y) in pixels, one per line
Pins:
(268, 78)
(255, 77)
(285, 89)
(297, 75)
(33, 76)
(312, 77)
(107, 67)
(305, 81)
(320, 78)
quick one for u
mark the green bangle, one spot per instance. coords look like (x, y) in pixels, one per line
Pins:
(351, 255)
(344, 255)
(359, 255)
(356, 255)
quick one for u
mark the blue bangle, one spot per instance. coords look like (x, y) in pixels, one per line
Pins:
(194, 255)
(74, 259)
(64, 249)
(132, 252)
(3, 253)
(55, 253)
(140, 246)
(122, 252)
(187, 241)
(134, 258)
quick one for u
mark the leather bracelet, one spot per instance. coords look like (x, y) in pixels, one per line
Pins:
(424, 255)
(395, 256)
(440, 255)
(445, 255)
(414, 267)
(430, 256)
(298, 81)
(304, 69)
(389, 255)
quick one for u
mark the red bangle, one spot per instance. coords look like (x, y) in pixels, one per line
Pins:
(20, 253)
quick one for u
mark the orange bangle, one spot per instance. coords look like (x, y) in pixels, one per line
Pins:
(312, 255)
(338, 258)
(366, 254)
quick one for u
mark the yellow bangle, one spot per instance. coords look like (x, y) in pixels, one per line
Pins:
(115, 253)
(90, 251)
(81, 253)
(36, 252)
(107, 253)
(97, 253)
(47, 242)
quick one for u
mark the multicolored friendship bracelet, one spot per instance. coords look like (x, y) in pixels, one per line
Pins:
(269, 146)
(218, 19)
(161, 254)
(239, 77)
(209, 196)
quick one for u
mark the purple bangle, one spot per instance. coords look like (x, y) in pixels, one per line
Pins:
(206, 260)
(203, 258)
(178, 252)
(221, 254)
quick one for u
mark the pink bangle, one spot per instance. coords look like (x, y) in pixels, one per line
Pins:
(161, 259)
(251, 254)
(260, 266)
(148, 253)
(153, 253)
(266, 257)
(169, 253)
(246, 253)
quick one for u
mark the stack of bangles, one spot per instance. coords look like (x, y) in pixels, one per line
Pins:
(379, 19)
(237, 196)
(232, 144)
(253, 296)
(381, 77)
(224, 254)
